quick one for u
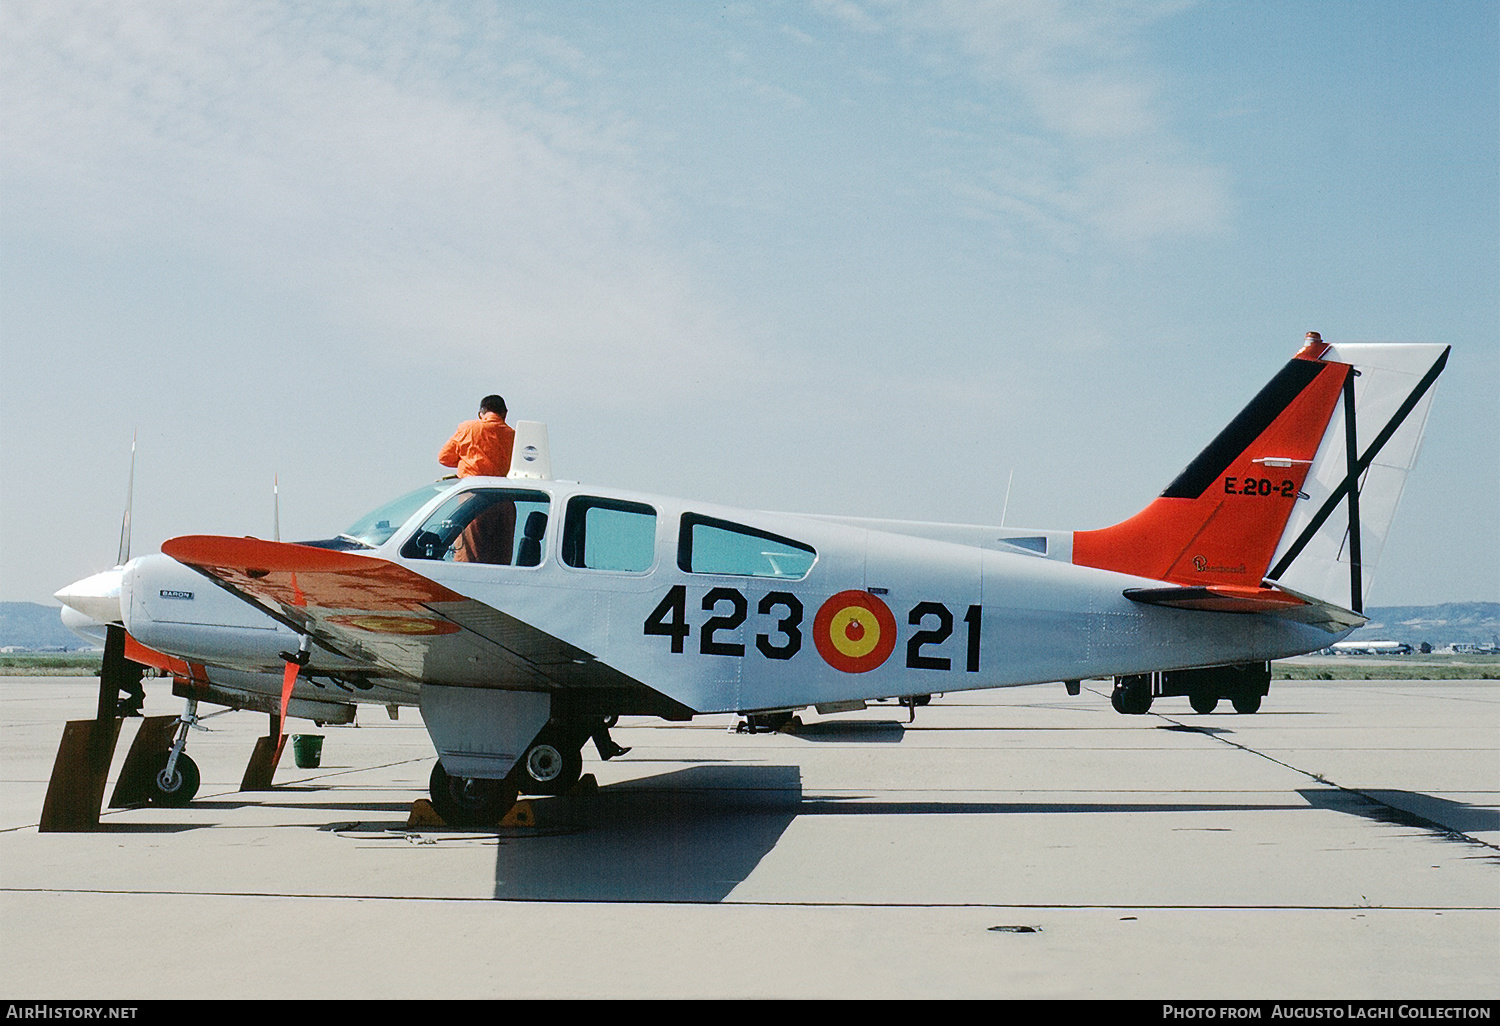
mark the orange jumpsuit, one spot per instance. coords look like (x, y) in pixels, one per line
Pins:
(480, 448)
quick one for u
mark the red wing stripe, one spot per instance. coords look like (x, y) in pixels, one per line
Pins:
(301, 575)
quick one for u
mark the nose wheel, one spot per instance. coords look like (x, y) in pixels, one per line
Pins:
(173, 785)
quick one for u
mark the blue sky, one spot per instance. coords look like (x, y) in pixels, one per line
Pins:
(845, 256)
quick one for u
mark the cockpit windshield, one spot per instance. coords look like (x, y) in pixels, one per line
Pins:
(373, 529)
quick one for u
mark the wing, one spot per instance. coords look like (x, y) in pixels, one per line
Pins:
(1270, 601)
(381, 613)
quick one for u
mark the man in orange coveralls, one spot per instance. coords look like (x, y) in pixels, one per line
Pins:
(482, 448)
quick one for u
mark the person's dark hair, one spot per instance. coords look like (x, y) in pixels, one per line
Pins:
(494, 404)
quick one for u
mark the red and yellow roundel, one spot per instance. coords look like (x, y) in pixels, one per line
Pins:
(854, 631)
(413, 625)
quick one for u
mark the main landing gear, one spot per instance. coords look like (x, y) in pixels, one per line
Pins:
(1132, 695)
(1244, 684)
(550, 766)
(469, 801)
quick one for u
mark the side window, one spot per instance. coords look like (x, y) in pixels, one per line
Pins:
(499, 526)
(710, 546)
(609, 534)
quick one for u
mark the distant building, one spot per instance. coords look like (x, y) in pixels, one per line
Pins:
(1371, 648)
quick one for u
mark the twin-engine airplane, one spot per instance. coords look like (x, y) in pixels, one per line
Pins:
(523, 615)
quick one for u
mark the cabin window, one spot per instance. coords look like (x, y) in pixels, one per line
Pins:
(609, 534)
(710, 546)
(498, 526)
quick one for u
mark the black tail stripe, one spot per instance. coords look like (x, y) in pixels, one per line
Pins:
(1359, 468)
(1244, 429)
(1351, 460)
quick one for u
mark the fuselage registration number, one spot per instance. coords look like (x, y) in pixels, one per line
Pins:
(853, 631)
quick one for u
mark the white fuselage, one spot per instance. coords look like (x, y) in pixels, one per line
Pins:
(977, 612)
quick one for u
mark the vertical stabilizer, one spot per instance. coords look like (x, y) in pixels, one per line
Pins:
(1220, 521)
(1299, 490)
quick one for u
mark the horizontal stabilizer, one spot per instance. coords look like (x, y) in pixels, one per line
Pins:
(1231, 598)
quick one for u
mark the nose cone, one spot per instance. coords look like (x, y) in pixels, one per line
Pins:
(85, 626)
(97, 597)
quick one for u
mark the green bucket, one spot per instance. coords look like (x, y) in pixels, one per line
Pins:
(307, 749)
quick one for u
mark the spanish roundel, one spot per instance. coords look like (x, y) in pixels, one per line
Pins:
(854, 631)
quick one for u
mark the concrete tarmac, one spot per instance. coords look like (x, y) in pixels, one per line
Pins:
(1343, 843)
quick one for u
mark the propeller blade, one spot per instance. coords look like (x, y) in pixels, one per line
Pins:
(129, 500)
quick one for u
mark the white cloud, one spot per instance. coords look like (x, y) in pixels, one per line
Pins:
(1081, 118)
(437, 173)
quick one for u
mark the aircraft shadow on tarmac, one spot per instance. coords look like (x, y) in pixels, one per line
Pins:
(690, 835)
(1406, 808)
(693, 835)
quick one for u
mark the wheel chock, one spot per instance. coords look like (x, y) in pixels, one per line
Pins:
(262, 765)
(152, 740)
(520, 815)
(76, 790)
(422, 814)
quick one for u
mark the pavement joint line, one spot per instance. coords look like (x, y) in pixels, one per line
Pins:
(1079, 907)
(1398, 813)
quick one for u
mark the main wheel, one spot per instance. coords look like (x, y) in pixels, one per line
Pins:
(549, 768)
(176, 789)
(469, 801)
(1247, 703)
(1132, 696)
(1203, 701)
